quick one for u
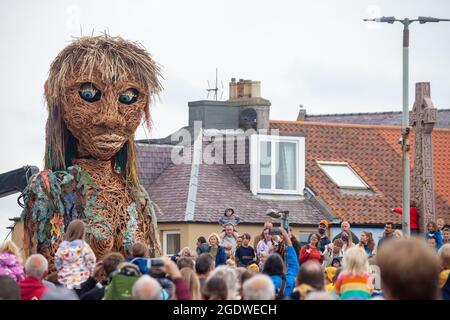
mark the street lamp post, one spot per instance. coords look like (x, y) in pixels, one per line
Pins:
(405, 115)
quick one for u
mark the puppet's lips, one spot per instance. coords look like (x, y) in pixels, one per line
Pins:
(108, 141)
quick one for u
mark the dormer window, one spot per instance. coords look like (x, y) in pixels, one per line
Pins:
(342, 174)
(277, 164)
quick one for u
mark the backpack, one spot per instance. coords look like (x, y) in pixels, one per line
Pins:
(122, 282)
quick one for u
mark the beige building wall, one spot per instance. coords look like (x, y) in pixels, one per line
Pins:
(189, 232)
(17, 235)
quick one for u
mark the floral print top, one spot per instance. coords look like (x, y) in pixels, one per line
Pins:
(74, 261)
(10, 266)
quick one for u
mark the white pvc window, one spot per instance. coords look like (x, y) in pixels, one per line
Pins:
(343, 175)
(277, 164)
(171, 242)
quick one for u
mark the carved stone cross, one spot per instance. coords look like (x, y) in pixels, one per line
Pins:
(422, 119)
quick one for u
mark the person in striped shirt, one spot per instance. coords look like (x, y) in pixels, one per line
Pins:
(355, 281)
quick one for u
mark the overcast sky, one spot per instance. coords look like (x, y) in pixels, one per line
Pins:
(316, 53)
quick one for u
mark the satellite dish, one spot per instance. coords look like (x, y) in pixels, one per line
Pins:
(247, 118)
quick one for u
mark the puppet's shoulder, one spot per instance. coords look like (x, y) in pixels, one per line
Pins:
(49, 182)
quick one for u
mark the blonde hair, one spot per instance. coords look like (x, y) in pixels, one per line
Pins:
(185, 249)
(8, 246)
(264, 254)
(192, 280)
(231, 263)
(355, 261)
(444, 256)
(214, 235)
(398, 233)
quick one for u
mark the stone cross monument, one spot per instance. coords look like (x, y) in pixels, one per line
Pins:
(422, 119)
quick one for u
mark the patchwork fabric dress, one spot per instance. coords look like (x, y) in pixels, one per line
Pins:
(53, 199)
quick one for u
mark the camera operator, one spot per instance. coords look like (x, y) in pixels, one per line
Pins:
(170, 268)
(94, 287)
(264, 247)
(282, 274)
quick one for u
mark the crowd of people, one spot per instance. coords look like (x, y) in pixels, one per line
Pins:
(225, 266)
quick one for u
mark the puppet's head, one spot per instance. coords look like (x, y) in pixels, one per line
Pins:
(98, 90)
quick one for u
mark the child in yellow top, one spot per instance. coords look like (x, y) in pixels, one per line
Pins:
(329, 275)
(444, 276)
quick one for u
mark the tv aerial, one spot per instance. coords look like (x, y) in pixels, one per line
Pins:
(215, 89)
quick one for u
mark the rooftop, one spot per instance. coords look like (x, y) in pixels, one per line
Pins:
(374, 154)
(393, 118)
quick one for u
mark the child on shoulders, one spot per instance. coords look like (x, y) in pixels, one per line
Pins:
(229, 217)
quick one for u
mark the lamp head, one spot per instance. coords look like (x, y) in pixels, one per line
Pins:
(273, 213)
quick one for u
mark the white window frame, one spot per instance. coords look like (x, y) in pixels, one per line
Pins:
(332, 163)
(254, 156)
(165, 234)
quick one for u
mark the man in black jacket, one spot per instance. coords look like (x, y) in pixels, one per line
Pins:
(345, 226)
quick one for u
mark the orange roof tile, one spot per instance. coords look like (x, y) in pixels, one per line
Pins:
(374, 153)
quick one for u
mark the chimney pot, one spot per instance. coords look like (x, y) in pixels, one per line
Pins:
(301, 113)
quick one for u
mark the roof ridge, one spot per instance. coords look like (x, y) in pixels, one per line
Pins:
(345, 125)
(334, 124)
(361, 113)
(191, 200)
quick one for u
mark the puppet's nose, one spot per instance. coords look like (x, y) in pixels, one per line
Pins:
(109, 121)
(109, 117)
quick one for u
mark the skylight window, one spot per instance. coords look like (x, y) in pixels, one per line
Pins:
(343, 175)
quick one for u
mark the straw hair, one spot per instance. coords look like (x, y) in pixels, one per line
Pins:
(105, 58)
(355, 261)
(75, 231)
(8, 246)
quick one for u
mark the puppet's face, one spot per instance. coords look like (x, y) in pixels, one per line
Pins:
(103, 116)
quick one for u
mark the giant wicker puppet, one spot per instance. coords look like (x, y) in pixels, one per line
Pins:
(98, 91)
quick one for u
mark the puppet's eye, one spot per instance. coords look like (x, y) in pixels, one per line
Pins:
(129, 96)
(89, 92)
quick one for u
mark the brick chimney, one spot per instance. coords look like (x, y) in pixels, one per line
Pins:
(244, 89)
(301, 113)
(247, 94)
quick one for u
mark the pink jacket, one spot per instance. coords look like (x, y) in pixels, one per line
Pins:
(10, 266)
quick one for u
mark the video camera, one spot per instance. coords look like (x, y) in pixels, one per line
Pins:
(154, 263)
(154, 270)
(274, 231)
